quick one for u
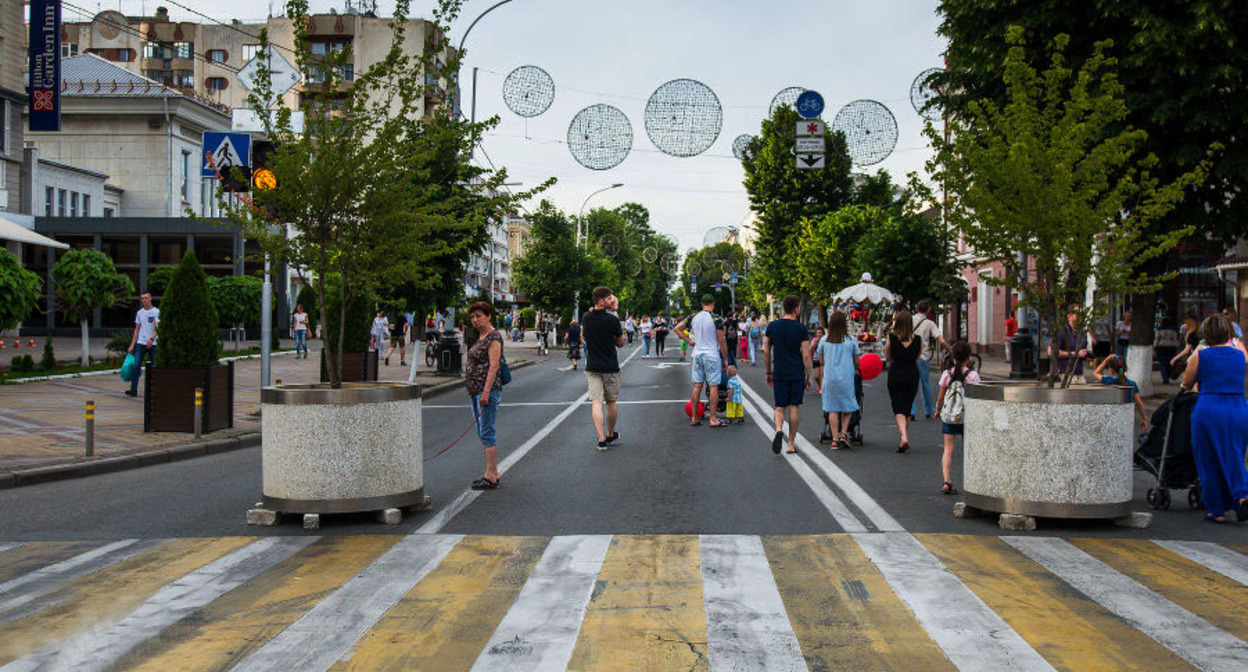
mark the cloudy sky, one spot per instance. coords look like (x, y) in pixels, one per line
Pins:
(618, 52)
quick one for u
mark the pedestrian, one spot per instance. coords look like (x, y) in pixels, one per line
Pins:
(951, 404)
(143, 341)
(603, 336)
(928, 335)
(903, 352)
(786, 359)
(380, 332)
(299, 331)
(1011, 328)
(398, 339)
(684, 349)
(1233, 318)
(485, 388)
(661, 328)
(1219, 420)
(731, 334)
(647, 332)
(816, 364)
(630, 328)
(1117, 375)
(1072, 345)
(1102, 337)
(572, 339)
(705, 333)
(839, 353)
(1190, 335)
(735, 409)
(1166, 344)
(1122, 336)
(543, 333)
(755, 333)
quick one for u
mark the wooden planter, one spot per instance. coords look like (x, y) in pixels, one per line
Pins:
(357, 367)
(169, 397)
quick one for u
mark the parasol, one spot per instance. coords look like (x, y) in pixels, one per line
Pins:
(865, 291)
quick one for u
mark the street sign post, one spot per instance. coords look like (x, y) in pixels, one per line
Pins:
(811, 161)
(228, 150)
(810, 127)
(815, 145)
(282, 75)
(809, 104)
(810, 144)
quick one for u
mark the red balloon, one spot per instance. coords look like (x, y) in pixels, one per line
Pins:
(689, 409)
(870, 365)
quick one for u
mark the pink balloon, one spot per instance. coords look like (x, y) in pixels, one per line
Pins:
(870, 365)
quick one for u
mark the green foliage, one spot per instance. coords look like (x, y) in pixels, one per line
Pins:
(188, 319)
(307, 299)
(158, 280)
(86, 280)
(359, 319)
(824, 249)
(1054, 174)
(48, 362)
(529, 316)
(710, 262)
(19, 291)
(22, 364)
(907, 255)
(237, 299)
(118, 343)
(553, 267)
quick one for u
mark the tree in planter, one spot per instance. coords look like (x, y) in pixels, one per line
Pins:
(377, 189)
(1053, 174)
(188, 319)
(19, 291)
(85, 280)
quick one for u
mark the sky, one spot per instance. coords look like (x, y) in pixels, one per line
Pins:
(618, 52)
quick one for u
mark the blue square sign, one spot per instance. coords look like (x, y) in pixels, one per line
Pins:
(228, 150)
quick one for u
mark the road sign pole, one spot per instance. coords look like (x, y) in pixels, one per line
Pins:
(266, 325)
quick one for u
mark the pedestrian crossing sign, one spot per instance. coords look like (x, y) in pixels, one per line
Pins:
(225, 150)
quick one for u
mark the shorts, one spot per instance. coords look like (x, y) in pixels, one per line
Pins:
(734, 409)
(396, 341)
(706, 369)
(951, 430)
(486, 417)
(603, 386)
(789, 392)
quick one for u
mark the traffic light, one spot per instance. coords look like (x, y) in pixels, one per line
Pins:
(263, 179)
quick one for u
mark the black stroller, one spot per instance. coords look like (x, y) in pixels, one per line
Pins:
(855, 419)
(1166, 452)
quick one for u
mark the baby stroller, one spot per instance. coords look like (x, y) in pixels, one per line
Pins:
(855, 419)
(1166, 452)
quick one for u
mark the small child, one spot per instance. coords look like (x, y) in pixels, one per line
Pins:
(950, 402)
(684, 347)
(735, 408)
(1117, 375)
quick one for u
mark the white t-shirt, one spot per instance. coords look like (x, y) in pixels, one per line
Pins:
(646, 327)
(926, 331)
(301, 321)
(946, 378)
(702, 330)
(147, 319)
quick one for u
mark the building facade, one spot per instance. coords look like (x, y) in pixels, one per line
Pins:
(496, 254)
(12, 104)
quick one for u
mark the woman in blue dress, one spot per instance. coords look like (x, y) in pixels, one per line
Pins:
(839, 354)
(1219, 420)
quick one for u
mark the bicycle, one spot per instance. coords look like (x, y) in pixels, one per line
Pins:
(432, 348)
(543, 347)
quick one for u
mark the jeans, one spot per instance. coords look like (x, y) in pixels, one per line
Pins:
(141, 351)
(486, 417)
(1165, 353)
(301, 341)
(754, 345)
(732, 351)
(645, 345)
(925, 384)
(660, 343)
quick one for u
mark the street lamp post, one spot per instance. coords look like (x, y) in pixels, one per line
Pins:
(580, 219)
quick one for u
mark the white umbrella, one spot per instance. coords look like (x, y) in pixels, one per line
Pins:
(865, 291)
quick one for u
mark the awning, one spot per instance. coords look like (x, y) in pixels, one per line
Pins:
(21, 234)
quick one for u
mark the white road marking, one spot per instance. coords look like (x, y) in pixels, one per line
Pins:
(328, 631)
(967, 630)
(20, 591)
(540, 629)
(101, 647)
(1222, 560)
(747, 627)
(9, 545)
(441, 518)
(847, 520)
(1194, 639)
(867, 504)
(562, 403)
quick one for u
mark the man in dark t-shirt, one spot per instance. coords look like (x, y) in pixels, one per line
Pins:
(603, 334)
(786, 356)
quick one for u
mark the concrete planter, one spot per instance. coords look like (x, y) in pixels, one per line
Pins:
(1053, 453)
(357, 448)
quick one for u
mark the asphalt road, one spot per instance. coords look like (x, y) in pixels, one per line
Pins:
(662, 477)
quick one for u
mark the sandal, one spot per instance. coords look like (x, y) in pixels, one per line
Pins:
(1241, 513)
(776, 441)
(715, 423)
(844, 443)
(484, 483)
(1210, 518)
(791, 451)
(905, 446)
(948, 489)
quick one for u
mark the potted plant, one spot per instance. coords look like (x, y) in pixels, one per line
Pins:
(358, 361)
(187, 347)
(1049, 182)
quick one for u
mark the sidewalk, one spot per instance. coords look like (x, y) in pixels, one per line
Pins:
(42, 424)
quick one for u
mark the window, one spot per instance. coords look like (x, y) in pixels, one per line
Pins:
(186, 175)
(217, 55)
(86, 205)
(125, 55)
(68, 50)
(250, 51)
(4, 125)
(217, 83)
(49, 195)
(108, 212)
(156, 51)
(73, 204)
(60, 203)
(184, 50)
(183, 78)
(321, 48)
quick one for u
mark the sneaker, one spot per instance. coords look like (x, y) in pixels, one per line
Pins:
(602, 446)
(615, 436)
(776, 442)
(387, 361)
(131, 393)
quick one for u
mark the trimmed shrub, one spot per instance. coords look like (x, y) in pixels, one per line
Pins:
(49, 356)
(119, 343)
(188, 320)
(359, 321)
(530, 317)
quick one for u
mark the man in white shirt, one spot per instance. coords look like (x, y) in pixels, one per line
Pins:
(143, 342)
(928, 333)
(710, 350)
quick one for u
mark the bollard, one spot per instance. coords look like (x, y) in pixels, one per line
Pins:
(199, 411)
(90, 428)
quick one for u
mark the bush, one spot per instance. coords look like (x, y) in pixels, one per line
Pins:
(359, 321)
(188, 319)
(49, 356)
(158, 280)
(530, 317)
(119, 343)
(237, 299)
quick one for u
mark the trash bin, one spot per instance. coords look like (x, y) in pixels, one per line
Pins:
(450, 359)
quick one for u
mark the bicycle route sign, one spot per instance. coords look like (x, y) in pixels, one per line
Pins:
(809, 146)
(810, 104)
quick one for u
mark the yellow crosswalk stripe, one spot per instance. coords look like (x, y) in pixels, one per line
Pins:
(232, 627)
(107, 595)
(844, 613)
(446, 619)
(1209, 595)
(1071, 631)
(22, 560)
(646, 612)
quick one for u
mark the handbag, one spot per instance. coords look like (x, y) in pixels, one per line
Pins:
(127, 368)
(504, 372)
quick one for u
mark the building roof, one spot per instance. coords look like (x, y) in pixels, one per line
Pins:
(90, 75)
(1231, 263)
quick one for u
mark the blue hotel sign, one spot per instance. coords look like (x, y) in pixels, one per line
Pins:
(45, 65)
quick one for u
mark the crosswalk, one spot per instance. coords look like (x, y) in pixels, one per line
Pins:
(861, 601)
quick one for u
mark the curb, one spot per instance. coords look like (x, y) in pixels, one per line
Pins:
(101, 372)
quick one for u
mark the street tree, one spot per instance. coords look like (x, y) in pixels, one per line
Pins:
(1057, 175)
(908, 254)
(553, 266)
(1183, 71)
(708, 265)
(85, 280)
(20, 290)
(824, 251)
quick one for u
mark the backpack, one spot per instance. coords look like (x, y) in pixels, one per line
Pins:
(951, 411)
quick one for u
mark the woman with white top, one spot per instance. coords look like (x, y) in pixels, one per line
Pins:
(647, 331)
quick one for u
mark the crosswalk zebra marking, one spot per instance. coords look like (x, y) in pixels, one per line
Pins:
(540, 629)
(1222, 560)
(1191, 637)
(6, 545)
(100, 648)
(967, 630)
(747, 627)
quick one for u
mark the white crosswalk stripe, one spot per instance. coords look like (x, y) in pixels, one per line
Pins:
(8, 545)
(1224, 561)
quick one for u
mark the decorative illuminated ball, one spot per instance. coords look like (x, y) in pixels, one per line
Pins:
(689, 409)
(871, 365)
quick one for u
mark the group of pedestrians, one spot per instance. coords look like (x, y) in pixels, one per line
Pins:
(652, 332)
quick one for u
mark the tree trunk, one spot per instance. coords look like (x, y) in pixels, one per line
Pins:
(1140, 353)
(86, 343)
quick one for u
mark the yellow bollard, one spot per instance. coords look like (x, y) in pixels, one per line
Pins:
(199, 411)
(90, 428)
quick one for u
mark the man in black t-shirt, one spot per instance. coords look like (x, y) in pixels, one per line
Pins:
(603, 334)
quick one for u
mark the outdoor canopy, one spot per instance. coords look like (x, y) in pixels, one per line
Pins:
(21, 234)
(865, 292)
